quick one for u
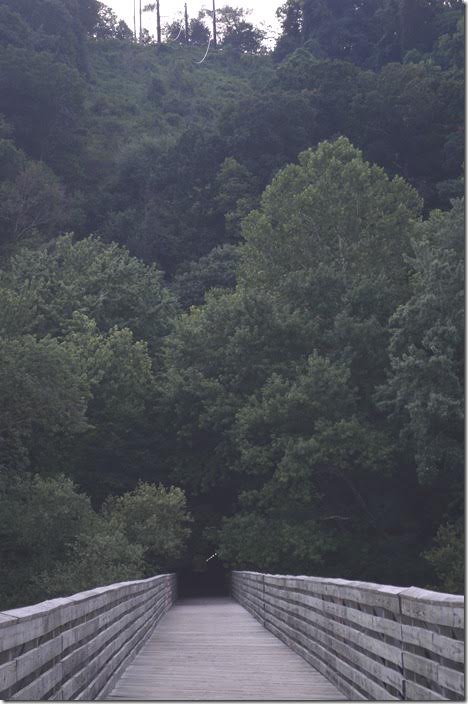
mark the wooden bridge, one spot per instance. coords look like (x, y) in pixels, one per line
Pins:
(278, 638)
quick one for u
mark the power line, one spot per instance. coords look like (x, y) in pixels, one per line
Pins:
(206, 52)
(138, 37)
(180, 32)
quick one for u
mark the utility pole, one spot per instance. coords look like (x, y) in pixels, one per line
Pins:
(158, 22)
(141, 26)
(186, 25)
(134, 21)
(215, 40)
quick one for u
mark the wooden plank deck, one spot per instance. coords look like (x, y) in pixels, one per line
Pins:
(213, 649)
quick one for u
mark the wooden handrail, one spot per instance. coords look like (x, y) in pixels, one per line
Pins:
(373, 641)
(75, 647)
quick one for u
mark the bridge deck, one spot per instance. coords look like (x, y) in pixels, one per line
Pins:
(212, 649)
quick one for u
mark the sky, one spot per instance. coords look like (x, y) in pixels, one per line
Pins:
(263, 11)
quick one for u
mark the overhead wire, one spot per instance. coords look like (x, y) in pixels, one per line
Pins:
(207, 48)
(206, 52)
(181, 27)
(180, 32)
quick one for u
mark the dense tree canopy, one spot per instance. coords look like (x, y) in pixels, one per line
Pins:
(231, 294)
(54, 541)
(324, 266)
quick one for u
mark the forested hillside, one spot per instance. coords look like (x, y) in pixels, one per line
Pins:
(232, 298)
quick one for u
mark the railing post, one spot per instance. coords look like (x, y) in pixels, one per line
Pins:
(75, 647)
(263, 600)
(373, 641)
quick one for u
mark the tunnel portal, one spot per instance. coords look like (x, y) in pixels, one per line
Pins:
(209, 579)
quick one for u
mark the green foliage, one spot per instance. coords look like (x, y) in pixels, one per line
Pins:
(40, 521)
(235, 32)
(216, 270)
(277, 381)
(309, 399)
(59, 28)
(99, 556)
(406, 117)
(155, 518)
(427, 348)
(207, 379)
(12, 159)
(32, 203)
(334, 213)
(44, 397)
(198, 32)
(448, 557)
(413, 110)
(142, 144)
(53, 543)
(14, 31)
(43, 100)
(98, 280)
(290, 16)
(449, 51)
(258, 135)
(120, 373)
(78, 380)
(250, 541)
(370, 33)
(108, 25)
(236, 194)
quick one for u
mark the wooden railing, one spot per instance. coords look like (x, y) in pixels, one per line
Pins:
(372, 641)
(76, 647)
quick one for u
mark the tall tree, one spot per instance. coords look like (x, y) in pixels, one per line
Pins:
(235, 31)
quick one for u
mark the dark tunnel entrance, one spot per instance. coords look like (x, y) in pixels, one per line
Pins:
(210, 579)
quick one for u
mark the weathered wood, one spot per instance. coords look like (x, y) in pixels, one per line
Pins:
(33, 660)
(344, 673)
(378, 595)
(451, 679)
(383, 641)
(42, 685)
(421, 666)
(105, 656)
(357, 659)
(111, 671)
(86, 652)
(7, 675)
(416, 692)
(433, 608)
(379, 624)
(61, 647)
(345, 631)
(367, 640)
(323, 666)
(440, 645)
(212, 649)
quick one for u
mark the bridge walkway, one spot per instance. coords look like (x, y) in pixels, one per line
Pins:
(213, 649)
